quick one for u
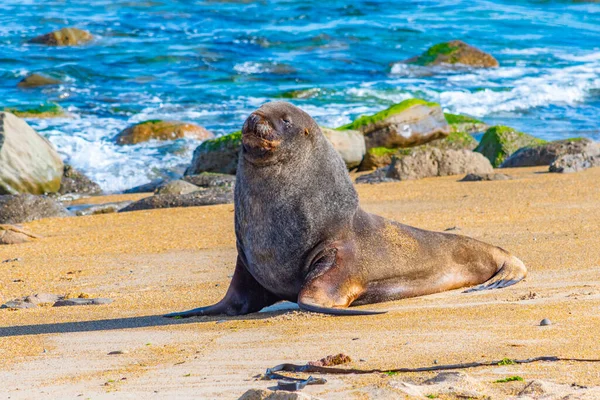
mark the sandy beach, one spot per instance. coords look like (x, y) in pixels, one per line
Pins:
(159, 261)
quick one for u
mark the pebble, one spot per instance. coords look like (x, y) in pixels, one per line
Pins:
(545, 322)
(18, 304)
(112, 353)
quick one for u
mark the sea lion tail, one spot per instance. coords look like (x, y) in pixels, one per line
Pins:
(336, 311)
(512, 271)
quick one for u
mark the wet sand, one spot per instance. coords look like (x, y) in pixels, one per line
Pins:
(159, 261)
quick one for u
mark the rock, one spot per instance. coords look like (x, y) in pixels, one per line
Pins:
(117, 352)
(42, 298)
(28, 162)
(547, 153)
(211, 179)
(409, 123)
(454, 52)
(82, 302)
(575, 162)
(349, 144)
(36, 80)
(331, 360)
(149, 187)
(19, 304)
(176, 187)
(301, 93)
(74, 181)
(545, 322)
(485, 177)
(161, 130)
(64, 37)
(203, 197)
(499, 142)
(12, 234)
(15, 209)
(378, 157)
(266, 394)
(42, 111)
(80, 210)
(436, 162)
(463, 123)
(217, 155)
(378, 176)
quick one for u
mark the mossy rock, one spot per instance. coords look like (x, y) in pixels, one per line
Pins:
(454, 52)
(301, 93)
(464, 123)
(217, 155)
(364, 121)
(547, 153)
(50, 110)
(410, 123)
(64, 37)
(36, 80)
(499, 142)
(157, 129)
(378, 157)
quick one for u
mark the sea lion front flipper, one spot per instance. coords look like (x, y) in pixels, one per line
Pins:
(329, 288)
(245, 295)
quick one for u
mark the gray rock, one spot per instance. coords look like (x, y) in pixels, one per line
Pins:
(574, 163)
(74, 181)
(436, 162)
(217, 155)
(210, 179)
(96, 209)
(82, 302)
(42, 298)
(12, 234)
(15, 209)
(378, 176)
(28, 162)
(410, 123)
(149, 187)
(545, 322)
(176, 187)
(546, 154)
(204, 197)
(20, 304)
(485, 177)
(349, 144)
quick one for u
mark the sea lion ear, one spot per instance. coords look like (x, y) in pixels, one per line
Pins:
(306, 131)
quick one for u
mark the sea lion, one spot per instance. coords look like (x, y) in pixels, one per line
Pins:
(302, 236)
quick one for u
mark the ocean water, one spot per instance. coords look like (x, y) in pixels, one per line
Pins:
(213, 62)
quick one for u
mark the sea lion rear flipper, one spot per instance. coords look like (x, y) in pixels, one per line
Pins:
(245, 295)
(512, 271)
(330, 288)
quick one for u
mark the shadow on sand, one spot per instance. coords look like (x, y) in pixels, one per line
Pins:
(135, 322)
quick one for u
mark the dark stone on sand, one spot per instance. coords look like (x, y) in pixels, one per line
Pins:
(485, 177)
(15, 209)
(18, 304)
(204, 197)
(82, 302)
(378, 176)
(545, 322)
(74, 181)
(96, 209)
(570, 163)
(546, 154)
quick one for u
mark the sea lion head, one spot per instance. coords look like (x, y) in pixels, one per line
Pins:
(276, 131)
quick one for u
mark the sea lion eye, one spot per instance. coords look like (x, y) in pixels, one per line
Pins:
(287, 121)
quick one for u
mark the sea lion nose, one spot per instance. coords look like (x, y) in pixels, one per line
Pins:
(258, 125)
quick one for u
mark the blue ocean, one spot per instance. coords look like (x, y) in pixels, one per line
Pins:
(213, 62)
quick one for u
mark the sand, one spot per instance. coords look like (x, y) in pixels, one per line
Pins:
(159, 261)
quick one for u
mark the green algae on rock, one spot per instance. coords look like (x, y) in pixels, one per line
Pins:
(464, 123)
(217, 155)
(378, 157)
(50, 110)
(64, 37)
(156, 129)
(499, 142)
(410, 123)
(454, 52)
(301, 93)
